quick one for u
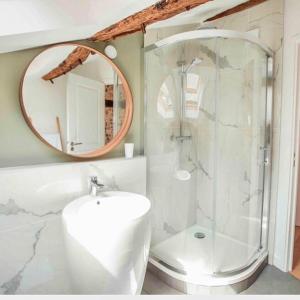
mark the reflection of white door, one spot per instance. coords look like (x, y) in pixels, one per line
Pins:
(85, 114)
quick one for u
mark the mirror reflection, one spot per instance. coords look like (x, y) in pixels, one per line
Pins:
(74, 98)
(192, 87)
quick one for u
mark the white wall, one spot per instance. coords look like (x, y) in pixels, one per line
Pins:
(34, 23)
(44, 101)
(284, 216)
(96, 68)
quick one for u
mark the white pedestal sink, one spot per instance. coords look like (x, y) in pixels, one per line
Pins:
(107, 242)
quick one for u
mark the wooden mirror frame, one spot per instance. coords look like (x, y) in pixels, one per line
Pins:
(127, 115)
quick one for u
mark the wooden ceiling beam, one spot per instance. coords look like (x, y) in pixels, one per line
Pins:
(236, 9)
(162, 10)
(74, 59)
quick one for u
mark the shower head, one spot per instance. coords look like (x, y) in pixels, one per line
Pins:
(195, 61)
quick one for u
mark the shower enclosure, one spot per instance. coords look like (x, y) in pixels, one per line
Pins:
(208, 106)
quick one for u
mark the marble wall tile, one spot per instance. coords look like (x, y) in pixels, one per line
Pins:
(32, 255)
(34, 260)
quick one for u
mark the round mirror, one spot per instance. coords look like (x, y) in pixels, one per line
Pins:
(76, 100)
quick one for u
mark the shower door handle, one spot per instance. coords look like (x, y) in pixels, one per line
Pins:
(266, 151)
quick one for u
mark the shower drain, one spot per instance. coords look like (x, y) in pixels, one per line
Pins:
(199, 235)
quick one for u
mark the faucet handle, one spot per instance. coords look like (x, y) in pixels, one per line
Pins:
(95, 186)
(94, 179)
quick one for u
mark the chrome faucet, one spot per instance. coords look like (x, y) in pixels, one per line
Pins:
(95, 186)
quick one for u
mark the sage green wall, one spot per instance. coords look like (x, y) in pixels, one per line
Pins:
(19, 146)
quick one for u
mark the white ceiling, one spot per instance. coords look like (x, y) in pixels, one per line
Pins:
(200, 13)
(31, 23)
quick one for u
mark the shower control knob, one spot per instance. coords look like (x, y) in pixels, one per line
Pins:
(266, 161)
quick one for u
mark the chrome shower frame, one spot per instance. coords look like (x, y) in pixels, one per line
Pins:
(207, 34)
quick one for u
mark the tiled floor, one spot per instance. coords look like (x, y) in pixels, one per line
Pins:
(296, 269)
(270, 282)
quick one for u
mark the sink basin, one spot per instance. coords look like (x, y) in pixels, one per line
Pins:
(107, 242)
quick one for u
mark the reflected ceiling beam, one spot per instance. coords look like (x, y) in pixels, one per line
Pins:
(74, 59)
(162, 10)
(236, 9)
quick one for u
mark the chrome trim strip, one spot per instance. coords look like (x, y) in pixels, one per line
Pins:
(208, 34)
(166, 265)
(236, 271)
(269, 143)
(221, 285)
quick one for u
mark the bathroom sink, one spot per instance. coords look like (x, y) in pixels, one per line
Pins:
(109, 206)
(107, 240)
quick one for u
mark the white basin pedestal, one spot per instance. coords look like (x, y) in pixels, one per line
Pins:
(107, 242)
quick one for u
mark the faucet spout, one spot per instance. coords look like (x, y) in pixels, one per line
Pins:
(95, 186)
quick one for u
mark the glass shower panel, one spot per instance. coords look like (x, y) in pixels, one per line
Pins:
(239, 154)
(179, 142)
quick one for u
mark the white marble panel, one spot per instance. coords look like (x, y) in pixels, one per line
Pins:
(33, 194)
(32, 256)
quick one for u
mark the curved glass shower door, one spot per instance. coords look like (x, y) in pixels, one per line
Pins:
(205, 141)
(239, 154)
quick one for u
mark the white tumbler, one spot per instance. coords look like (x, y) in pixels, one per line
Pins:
(129, 150)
